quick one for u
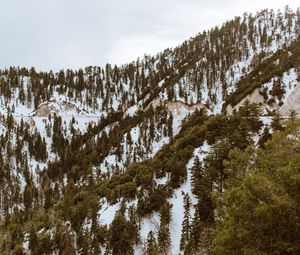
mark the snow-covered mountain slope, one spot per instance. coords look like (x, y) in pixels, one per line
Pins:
(87, 145)
(144, 140)
(265, 96)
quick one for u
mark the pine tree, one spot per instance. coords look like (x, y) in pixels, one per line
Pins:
(164, 239)
(120, 238)
(170, 126)
(292, 116)
(151, 246)
(195, 234)
(129, 139)
(178, 171)
(186, 227)
(265, 137)
(48, 198)
(33, 241)
(65, 240)
(133, 220)
(275, 124)
(261, 199)
(196, 175)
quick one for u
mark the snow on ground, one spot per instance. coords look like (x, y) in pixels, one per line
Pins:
(177, 121)
(156, 146)
(179, 112)
(2, 129)
(110, 160)
(131, 111)
(288, 81)
(25, 244)
(148, 224)
(107, 212)
(135, 151)
(266, 120)
(162, 181)
(151, 223)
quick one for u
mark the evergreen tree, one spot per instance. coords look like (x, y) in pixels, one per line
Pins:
(170, 126)
(33, 241)
(195, 234)
(133, 221)
(263, 191)
(186, 227)
(196, 176)
(120, 238)
(292, 116)
(151, 246)
(275, 124)
(265, 137)
(164, 241)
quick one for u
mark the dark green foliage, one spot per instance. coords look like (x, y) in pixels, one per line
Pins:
(77, 204)
(164, 240)
(186, 223)
(196, 175)
(276, 122)
(277, 90)
(261, 209)
(196, 228)
(266, 136)
(120, 238)
(152, 247)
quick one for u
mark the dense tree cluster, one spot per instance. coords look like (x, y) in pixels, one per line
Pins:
(259, 210)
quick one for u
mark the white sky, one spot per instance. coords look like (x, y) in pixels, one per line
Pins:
(55, 34)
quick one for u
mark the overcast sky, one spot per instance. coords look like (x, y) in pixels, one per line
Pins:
(55, 34)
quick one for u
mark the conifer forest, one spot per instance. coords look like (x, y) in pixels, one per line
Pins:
(192, 151)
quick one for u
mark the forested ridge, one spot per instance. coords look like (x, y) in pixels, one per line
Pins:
(145, 158)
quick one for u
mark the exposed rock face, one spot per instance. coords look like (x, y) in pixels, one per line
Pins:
(291, 103)
(69, 106)
(53, 106)
(288, 100)
(177, 107)
(43, 111)
(254, 97)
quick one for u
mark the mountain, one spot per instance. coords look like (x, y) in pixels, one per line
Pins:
(131, 159)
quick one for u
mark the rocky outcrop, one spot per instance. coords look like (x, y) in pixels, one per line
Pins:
(42, 111)
(292, 102)
(177, 107)
(254, 97)
(57, 106)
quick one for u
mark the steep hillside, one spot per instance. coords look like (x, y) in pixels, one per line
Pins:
(128, 159)
(270, 83)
